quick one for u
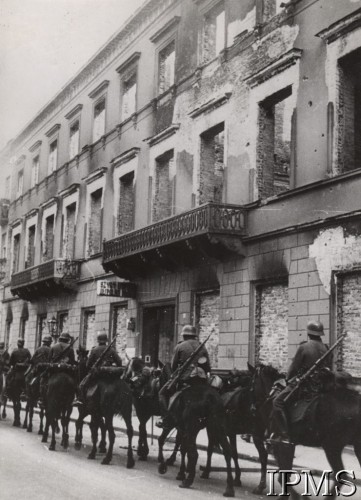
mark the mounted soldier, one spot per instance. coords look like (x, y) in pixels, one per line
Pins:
(59, 347)
(306, 356)
(20, 355)
(42, 353)
(198, 369)
(4, 359)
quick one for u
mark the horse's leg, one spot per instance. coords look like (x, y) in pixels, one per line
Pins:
(143, 450)
(182, 470)
(46, 430)
(357, 449)
(17, 409)
(103, 442)
(171, 460)
(128, 422)
(162, 467)
(111, 434)
(65, 416)
(79, 429)
(234, 452)
(27, 409)
(205, 474)
(5, 400)
(284, 456)
(53, 424)
(94, 424)
(31, 415)
(41, 426)
(334, 456)
(263, 455)
(227, 452)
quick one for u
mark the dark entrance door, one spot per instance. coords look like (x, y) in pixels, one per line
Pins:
(158, 333)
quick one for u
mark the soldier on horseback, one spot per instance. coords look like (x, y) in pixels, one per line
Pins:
(20, 355)
(59, 347)
(197, 370)
(306, 356)
(41, 355)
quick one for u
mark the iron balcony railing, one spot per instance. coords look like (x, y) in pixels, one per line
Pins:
(208, 218)
(59, 269)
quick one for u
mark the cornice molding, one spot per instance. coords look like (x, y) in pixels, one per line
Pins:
(152, 141)
(211, 105)
(52, 130)
(93, 176)
(133, 59)
(125, 157)
(69, 190)
(31, 213)
(341, 27)
(171, 24)
(35, 146)
(16, 222)
(100, 88)
(47, 204)
(282, 63)
(74, 111)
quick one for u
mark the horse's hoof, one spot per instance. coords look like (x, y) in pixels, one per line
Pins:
(186, 483)
(29, 429)
(52, 447)
(77, 446)
(170, 462)
(24, 426)
(229, 493)
(102, 449)
(16, 424)
(91, 456)
(105, 461)
(130, 463)
(237, 482)
(57, 430)
(44, 439)
(162, 468)
(204, 475)
(40, 432)
(180, 476)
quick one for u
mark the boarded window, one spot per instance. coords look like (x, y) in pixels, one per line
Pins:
(74, 140)
(69, 231)
(126, 203)
(119, 328)
(16, 253)
(349, 320)
(35, 171)
(99, 120)
(30, 259)
(207, 309)
(163, 189)
(48, 242)
(129, 105)
(211, 174)
(271, 323)
(349, 113)
(53, 157)
(3, 246)
(95, 222)
(214, 33)
(88, 336)
(166, 67)
(274, 143)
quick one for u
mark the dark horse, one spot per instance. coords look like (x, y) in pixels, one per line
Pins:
(109, 395)
(335, 423)
(197, 407)
(15, 386)
(3, 398)
(32, 381)
(58, 402)
(145, 388)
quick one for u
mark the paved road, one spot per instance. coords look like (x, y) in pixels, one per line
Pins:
(29, 471)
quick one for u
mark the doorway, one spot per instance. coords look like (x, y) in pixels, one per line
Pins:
(158, 333)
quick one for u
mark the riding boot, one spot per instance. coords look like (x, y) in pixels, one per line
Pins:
(280, 421)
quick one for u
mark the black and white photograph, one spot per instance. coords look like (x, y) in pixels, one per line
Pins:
(180, 249)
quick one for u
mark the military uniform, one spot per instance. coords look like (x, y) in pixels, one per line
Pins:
(4, 361)
(57, 349)
(41, 355)
(183, 351)
(111, 357)
(19, 355)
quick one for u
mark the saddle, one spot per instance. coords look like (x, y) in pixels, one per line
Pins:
(108, 372)
(59, 368)
(304, 410)
(21, 367)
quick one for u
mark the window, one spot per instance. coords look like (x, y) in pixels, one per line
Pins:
(166, 67)
(213, 38)
(163, 189)
(8, 185)
(20, 185)
(16, 253)
(40, 329)
(207, 312)
(53, 157)
(62, 322)
(126, 203)
(99, 120)
(129, 103)
(211, 175)
(3, 245)
(35, 171)
(349, 112)
(7, 333)
(274, 143)
(30, 258)
(69, 228)
(271, 8)
(74, 139)
(95, 222)
(119, 316)
(48, 238)
(88, 333)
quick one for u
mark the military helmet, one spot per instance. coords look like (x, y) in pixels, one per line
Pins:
(47, 339)
(65, 337)
(102, 337)
(315, 328)
(189, 331)
(21, 342)
(198, 372)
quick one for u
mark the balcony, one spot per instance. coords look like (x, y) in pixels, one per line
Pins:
(185, 240)
(46, 279)
(4, 211)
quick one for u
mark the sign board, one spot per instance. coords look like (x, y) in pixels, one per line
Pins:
(116, 289)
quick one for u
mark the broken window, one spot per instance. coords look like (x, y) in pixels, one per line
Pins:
(69, 231)
(214, 33)
(16, 253)
(129, 105)
(211, 174)
(207, 311)
(74, 140)
(63, 317)
(53, 157)
(163, 189)
(126, 203)
(30, 258)
(99, 120)
(95, 222)
(20, 185)
(88, 334)
(166, 67)
(274, 143)
(48, 242)
(35, 171)
(349, 112)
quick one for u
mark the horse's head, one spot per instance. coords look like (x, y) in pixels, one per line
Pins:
(263, 378)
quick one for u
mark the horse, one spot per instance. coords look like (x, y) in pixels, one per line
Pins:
(146, 384)
(335, 422)
(59, 398)
(196, 407)
(15, 386)
(109, 395)
(32, 383)
(3, 398)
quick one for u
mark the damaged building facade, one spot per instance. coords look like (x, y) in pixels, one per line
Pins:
(203, 167)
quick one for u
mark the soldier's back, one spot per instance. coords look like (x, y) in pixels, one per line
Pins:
(20, 355)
